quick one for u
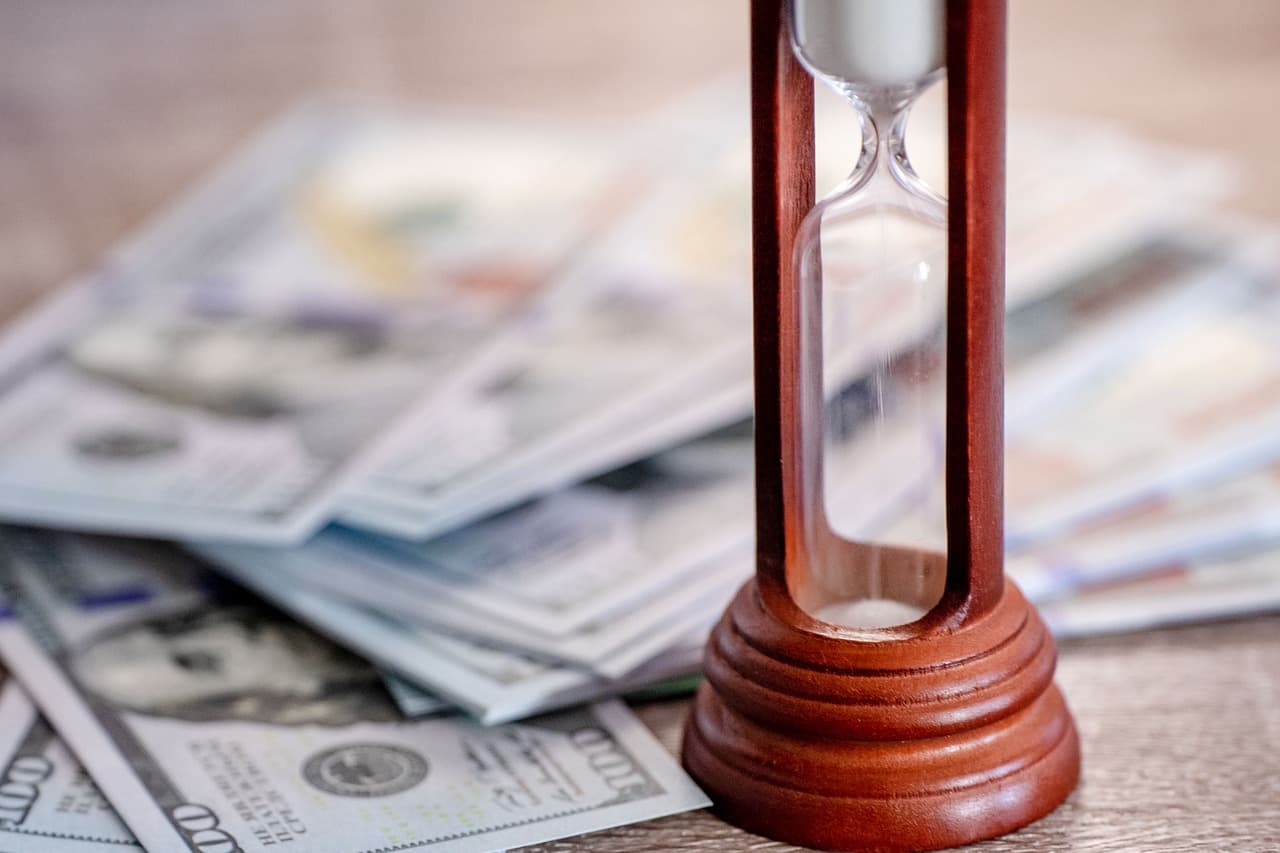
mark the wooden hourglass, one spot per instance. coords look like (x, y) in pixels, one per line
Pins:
(869, 690)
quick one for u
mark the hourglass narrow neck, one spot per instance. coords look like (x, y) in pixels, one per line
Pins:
(882, 119)
(881, 105)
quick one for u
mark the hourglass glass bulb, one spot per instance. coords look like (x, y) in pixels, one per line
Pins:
(875, 43)
(870, 263)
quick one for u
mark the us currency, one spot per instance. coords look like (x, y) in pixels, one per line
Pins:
(634, 345)
(584, 554)
(393, 512)
(602, 576)
(274, 338)
(221, 725)
(610, 648)
(1124, 453)
(1059, 351)
(693, 231)
(493, 684)
(547, 569)
(1238, 514)
(1242, 584)
(1059, 347)
(1194, 405)
(1056, 344)
(415, 701)
(48, 803)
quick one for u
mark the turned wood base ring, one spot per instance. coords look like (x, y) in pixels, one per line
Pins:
(941, 739)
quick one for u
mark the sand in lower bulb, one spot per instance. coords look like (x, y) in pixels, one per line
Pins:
(870, 613)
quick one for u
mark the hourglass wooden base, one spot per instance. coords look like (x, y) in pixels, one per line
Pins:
(949, 737)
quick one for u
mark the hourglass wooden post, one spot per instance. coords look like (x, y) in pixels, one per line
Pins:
(922, 736)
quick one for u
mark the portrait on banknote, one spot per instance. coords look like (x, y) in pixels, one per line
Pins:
(230, 662)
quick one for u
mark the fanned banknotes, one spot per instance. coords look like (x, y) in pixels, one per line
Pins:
(273, 339)
(491, 682)
(1235, 515)
(1227, 586)
(215, 724)
(1196, 403)
(589, 577)
(1080, 196)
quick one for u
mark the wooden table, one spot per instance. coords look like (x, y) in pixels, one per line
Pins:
(107, 110)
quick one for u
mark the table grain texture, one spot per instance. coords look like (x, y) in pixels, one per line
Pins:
(108, 109)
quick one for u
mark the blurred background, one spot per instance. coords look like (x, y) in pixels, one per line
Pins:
(107, 110)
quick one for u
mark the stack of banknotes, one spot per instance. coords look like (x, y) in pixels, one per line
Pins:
(343, 500)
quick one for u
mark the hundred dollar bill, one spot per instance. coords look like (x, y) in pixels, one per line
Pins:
(691, 240)
(1056, 346)
(493, 684)
(1193, 405)
(1059, 350)
(223, 726)
(584, 554)
(621, 354)
(281, 333)
(545, 570)
(1243, 584)
(48, 803)
(663, 421)
(1238, 514)
(415, 701)
(601, 576)
(610, 647)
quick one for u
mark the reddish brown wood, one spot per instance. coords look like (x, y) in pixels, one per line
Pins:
(782, 194)
(924, 736)
(920, 744)
(976, 34)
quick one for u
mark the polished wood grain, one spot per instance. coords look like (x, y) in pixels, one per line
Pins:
(788, 435)
(109, 108)
(977, 59)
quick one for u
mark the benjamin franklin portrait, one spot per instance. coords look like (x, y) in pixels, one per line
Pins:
(238, 662)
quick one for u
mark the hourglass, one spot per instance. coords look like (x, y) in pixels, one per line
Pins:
(870, 267)
(878, 685)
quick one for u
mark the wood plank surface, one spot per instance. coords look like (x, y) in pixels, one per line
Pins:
(109, 109)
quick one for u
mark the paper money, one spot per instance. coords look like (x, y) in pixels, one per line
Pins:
(579, 578)
(493, 684)
(615, 357)
(584, 554)
(276, 337)
(610, 648)
(1235, 515)
(586, 577)
(1195, 404)
(553, 566)
(48, 803)
(690, 240)
(223, 726)
(1242, 585)
(510, 481)
(414, 701)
